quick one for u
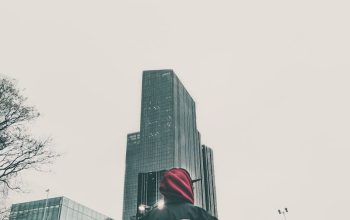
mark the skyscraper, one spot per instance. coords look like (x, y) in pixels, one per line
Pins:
(168, 137)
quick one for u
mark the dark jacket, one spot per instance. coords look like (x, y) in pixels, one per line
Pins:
(178, 211)
(177, 188)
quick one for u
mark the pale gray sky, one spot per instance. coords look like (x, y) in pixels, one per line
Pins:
(270, 79)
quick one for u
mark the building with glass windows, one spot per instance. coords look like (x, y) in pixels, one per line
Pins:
(168, 138)
(148, 194)
(208, 179)
(59, 208)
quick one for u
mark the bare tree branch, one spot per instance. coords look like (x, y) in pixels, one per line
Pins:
(19, 150)
(4, 213)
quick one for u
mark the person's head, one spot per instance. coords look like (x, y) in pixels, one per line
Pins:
(176, 185)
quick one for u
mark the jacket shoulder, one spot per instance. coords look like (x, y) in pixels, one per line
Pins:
(200, 213)
(203, 214)
(179, 211)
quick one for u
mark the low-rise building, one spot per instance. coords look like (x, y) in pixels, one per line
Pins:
(59, 208)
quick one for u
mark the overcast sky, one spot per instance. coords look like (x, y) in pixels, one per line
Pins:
(270, 80)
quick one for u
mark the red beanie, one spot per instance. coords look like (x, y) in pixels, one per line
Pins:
(177, 185)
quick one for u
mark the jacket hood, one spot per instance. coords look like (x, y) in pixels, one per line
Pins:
(176, 185)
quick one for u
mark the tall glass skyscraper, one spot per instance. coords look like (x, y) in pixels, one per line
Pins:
(168, 138)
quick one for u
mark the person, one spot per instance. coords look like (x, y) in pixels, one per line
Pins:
(177, 188)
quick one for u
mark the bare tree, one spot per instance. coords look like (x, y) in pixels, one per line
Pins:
(19, 150)
(4, 214)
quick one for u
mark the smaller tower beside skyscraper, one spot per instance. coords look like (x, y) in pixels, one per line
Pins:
(209, 180)
(148, 189)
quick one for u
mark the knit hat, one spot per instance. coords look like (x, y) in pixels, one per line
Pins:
(176, 185)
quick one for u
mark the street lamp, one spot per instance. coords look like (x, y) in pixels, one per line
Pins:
(160, 204)
(143, 209)
(283, 212)
(47, 197)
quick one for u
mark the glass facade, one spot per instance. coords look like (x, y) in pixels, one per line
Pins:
(147, 189)
(130, 181)
(209, 181)
(168, 136)
(59, 208)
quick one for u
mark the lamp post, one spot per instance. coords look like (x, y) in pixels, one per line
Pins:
(283, 212)
(143, 209)
(47, 198)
